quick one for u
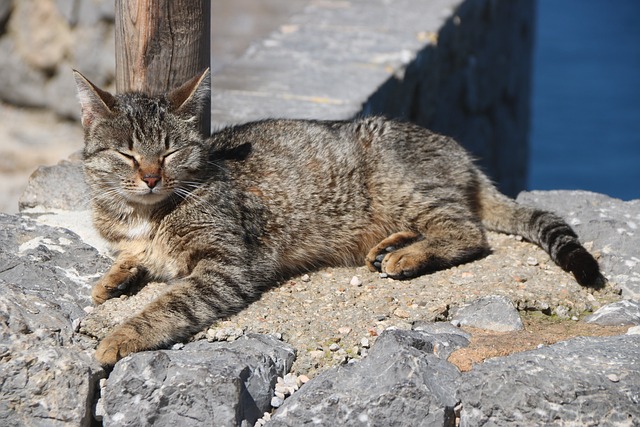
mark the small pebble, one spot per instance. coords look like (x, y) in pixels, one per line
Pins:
(88, 309)
(634, 330)
(316, 354)
(334, 347)
(303, 379)
(364, 342)
(276, 402)
(344, 330)
(613, 378)
(532, 261)
(401, 313)
(177, 346)
(305, 278)
(355, 281)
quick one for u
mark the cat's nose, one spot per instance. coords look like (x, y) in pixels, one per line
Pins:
(151, 180)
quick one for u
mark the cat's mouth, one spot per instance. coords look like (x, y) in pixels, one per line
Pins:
(149, 196)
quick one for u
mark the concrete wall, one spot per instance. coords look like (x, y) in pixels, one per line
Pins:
(462, 68)
(458, 67)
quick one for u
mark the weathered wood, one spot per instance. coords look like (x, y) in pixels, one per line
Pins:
(160, 44)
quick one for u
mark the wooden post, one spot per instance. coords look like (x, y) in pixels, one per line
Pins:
(161, 44)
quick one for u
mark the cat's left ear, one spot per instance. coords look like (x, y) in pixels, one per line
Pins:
(189, 99)
(95, 102)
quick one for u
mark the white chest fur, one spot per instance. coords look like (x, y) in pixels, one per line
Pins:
(139, 229)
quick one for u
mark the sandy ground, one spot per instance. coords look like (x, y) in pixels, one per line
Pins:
(334, 315)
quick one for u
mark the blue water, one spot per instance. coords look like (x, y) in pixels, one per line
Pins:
(586, 97)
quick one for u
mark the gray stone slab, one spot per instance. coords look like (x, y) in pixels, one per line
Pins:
(57, 187)
(46, 274)
(236, 107)
(400, 382)
(583, 381)
(625, 312)
(48, 376)
(221, 384)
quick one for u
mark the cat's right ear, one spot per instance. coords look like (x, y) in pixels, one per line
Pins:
(191, 97)
(95, 102)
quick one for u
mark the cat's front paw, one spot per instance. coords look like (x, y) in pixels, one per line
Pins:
(100, 293)
(115, 283)
(118, 344)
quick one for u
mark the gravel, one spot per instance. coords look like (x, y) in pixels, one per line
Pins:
(331, 322)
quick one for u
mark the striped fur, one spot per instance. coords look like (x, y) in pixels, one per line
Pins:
(226, 217)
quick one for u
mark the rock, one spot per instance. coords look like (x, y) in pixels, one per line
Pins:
(46, 275)
(566, 382)
(447, 337)
(625, 312)
(401, 377)
(47, 375)
(495, 313)
(44, 189)
(202, 384)
(611, 224)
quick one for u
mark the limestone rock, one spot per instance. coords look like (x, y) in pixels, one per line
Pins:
(401, 377)
(583, 381)
(202, 384)
(625, 312)
(47, 372)
(495, 313)
(45, 191)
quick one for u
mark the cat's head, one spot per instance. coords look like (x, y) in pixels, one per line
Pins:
(143, 149)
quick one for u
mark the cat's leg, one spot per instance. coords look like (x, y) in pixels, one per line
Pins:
(124, 272)
(444, 242)
(189, 306)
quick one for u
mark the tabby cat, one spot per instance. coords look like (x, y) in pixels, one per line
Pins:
(224, 218)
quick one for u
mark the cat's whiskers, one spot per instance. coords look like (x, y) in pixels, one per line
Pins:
(185, 195)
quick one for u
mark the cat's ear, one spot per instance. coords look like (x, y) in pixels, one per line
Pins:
(189, 99)
(95, 102)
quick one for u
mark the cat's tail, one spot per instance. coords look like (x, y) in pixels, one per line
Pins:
(500, 213)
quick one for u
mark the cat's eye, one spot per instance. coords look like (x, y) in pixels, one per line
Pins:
(130, 157)
(166, 156)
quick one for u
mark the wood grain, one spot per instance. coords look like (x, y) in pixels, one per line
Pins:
(160, 44)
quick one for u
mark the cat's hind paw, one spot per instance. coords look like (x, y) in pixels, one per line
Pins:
(377, 254)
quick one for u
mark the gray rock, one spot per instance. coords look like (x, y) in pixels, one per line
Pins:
(48, 375)
(46, 275)
(495, 313)
(57, 187)
(611, 224)
(44, 381)
(221, 384)
(583, 381)
(625, 312)
(447, 337)
(401, 377)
